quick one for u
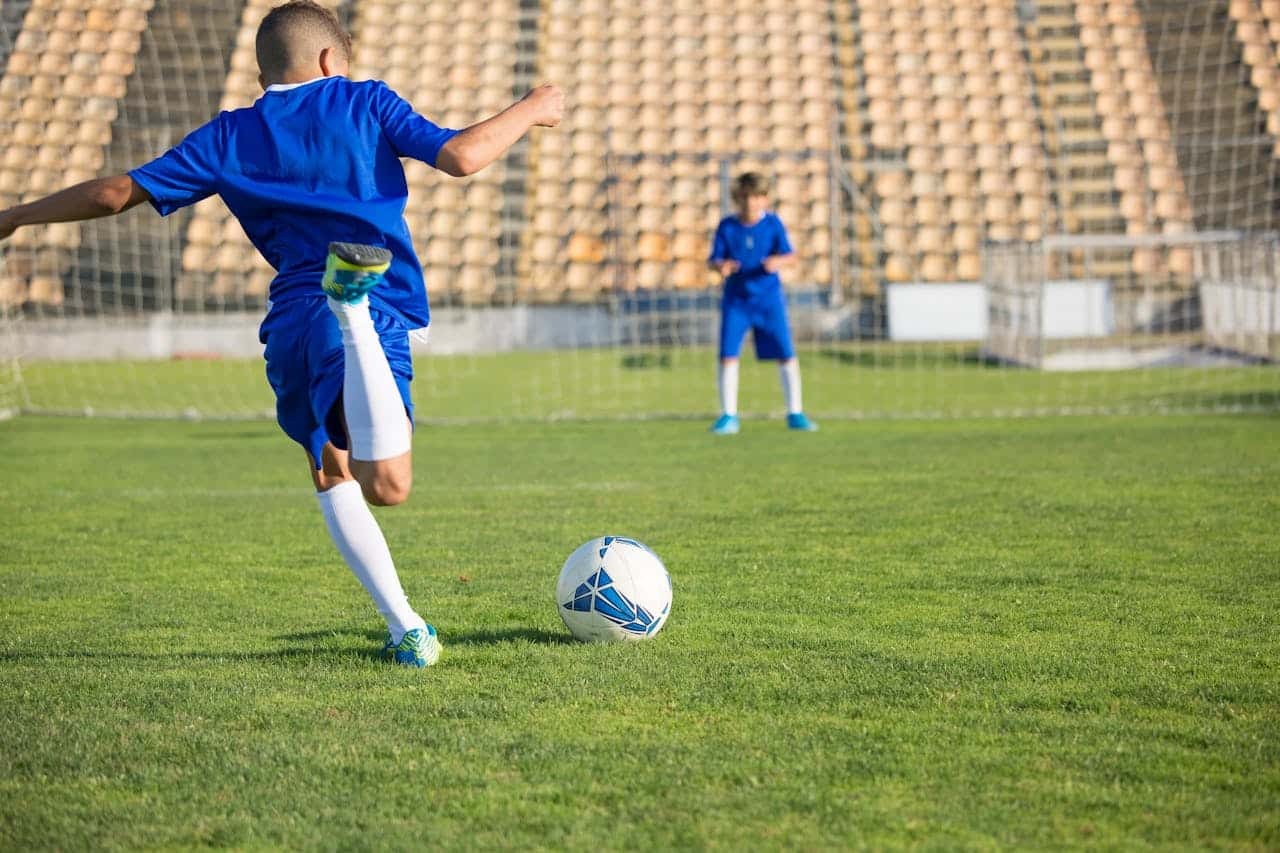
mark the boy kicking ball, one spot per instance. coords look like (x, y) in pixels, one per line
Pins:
(748, 250)
(312, 172)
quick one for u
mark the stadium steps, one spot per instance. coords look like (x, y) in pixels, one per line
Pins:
(515, 185)
(176, 86)
(865, 252)
(1040, 45)
(867, 255)
(1231, 182)
(1083, 177)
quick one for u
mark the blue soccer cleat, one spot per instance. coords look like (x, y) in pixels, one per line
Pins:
(418, 648)
(800, 422)
(352, 270)
(726, 425)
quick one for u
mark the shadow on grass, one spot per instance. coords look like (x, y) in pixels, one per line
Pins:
(372, 634)
(372, 652)
(310, 644)
(507, 635)
(307, 644)
(905, 356)
(1260, 401)
(470, 638)
(646, 360)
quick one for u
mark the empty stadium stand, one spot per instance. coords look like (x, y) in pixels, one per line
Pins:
(60, 94)
(902, 135)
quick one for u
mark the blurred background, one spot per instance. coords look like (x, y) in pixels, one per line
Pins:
(999, 207)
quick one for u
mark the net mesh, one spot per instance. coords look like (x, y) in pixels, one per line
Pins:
(998, 207)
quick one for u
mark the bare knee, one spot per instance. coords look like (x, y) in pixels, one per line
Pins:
(384, 483)
(386, 491)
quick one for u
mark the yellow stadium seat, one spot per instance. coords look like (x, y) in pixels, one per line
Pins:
(966, 237)
(968, 266)
(585, 249)
(45, 289)
(897, 268)
(690, 246)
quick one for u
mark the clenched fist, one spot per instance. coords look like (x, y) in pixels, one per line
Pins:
(548, 104)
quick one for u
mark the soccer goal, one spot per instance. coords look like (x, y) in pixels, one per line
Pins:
(1189, 323)
(1089, 227)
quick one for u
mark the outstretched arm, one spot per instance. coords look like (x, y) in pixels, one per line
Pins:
(89, 200)
(482, 143)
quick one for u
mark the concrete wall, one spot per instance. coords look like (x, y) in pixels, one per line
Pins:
(452, 331)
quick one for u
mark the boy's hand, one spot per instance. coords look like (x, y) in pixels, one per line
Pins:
(772, 264)
(548, 104)
(727, 268)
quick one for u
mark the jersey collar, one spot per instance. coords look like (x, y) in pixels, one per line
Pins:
(285, 87)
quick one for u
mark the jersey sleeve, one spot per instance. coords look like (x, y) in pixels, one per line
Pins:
(410, 134)
(186, 173)
(720, 245)
(781, 244)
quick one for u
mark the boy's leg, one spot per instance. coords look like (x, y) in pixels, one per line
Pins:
(773, 341)
(380, 434)
(728, 385)
(789, 374)
(359, 539)
(303, 351)
(734, 323)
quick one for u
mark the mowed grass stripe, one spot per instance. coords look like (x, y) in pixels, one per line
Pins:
(969, 633)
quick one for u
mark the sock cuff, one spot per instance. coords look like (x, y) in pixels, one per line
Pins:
(351, 314)
(342, 493)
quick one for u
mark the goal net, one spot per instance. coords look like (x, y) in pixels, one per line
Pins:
(998, 207)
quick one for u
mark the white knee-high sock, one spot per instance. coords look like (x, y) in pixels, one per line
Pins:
(789, 373)
(362, 545)
(371, 401)
(729, 387)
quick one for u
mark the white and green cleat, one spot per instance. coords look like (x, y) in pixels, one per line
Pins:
(418, 648)
(352, 270)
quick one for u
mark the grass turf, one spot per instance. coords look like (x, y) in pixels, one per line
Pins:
(857, 380)
(959, 634)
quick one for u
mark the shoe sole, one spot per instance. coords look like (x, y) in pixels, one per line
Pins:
(360, 255)
(353, 269)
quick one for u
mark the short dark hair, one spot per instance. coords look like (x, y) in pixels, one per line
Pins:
(290, 35)
(749, 184)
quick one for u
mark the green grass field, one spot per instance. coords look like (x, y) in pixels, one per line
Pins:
(866, 379)
(957, 634)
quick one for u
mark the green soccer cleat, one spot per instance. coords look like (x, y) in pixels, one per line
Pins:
(799, 422)
(352, 270)
(726, 425)
(418, 648)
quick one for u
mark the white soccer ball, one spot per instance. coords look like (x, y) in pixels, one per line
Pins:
(613, 590)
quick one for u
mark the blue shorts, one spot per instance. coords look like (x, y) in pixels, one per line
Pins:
(305, 365)
(767, 320)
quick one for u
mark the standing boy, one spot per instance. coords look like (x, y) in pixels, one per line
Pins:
(748, 250)
(312, 172)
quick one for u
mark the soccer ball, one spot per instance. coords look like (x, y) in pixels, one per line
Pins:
(613, 590)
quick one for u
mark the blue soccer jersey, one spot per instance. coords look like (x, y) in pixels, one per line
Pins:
(749, 245)
(305, 165)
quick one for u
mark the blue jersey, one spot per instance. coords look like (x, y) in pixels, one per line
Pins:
(305, 165)
(749, 245)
